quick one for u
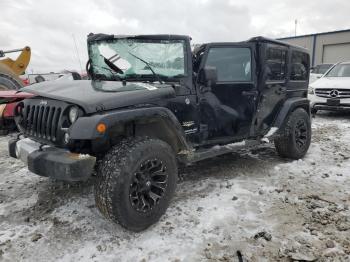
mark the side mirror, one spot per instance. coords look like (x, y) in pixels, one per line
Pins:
(208, 76)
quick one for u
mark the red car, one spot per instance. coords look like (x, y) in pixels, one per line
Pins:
(8, 102)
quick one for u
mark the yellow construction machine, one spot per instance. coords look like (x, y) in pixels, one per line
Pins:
(10, 69)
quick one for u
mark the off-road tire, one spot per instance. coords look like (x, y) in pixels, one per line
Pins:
(115, 175)
(286, 143)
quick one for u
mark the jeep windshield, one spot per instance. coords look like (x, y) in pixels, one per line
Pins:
(134, 59)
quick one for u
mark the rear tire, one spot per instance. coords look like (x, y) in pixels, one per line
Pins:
(135, 182)
(295, 137)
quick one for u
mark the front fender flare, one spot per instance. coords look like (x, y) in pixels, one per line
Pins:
(85, 127)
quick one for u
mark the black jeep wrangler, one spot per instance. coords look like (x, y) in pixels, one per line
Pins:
(151, 104)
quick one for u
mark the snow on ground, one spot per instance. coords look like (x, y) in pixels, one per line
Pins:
(254, 202)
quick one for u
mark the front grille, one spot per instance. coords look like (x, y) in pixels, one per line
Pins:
(333, 93)
(42, 119)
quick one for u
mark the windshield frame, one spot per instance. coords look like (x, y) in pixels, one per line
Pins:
(93, 39)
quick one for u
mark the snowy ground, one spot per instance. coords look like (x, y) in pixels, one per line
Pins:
(300, 208)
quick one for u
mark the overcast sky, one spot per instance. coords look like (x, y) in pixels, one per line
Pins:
(48, 26)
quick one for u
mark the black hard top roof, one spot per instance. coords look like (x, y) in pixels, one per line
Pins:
(267, 40)
(261, 39)
(277, 42)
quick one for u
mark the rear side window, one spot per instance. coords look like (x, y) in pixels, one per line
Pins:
(276, 63)
(299, 66)
(233, 64)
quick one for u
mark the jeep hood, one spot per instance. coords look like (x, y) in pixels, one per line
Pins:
(332, 82)
(95, 96)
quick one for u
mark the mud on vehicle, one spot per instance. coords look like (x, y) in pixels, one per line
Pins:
(151, 104)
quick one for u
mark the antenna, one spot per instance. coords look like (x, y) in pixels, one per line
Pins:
(295, 28)
(77, 53)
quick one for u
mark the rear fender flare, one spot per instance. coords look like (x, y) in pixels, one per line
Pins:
(289, 106)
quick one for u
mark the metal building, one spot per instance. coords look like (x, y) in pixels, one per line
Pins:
(328, 47)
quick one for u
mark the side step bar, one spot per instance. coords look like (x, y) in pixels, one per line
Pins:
(188, 157)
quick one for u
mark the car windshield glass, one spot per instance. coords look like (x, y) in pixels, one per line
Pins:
(323, 69)
(340, 70)
(136, 58)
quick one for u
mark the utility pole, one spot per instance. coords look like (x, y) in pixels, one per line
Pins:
(295, 28)
(77, 52)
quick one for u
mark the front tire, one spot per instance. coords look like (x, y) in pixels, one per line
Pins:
(135, 182)
(295, 138)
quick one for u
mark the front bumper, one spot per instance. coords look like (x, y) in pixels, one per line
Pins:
(51, 161)
(320, 103)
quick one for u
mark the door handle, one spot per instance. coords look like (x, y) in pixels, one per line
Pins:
(249, 93)
(281, 90)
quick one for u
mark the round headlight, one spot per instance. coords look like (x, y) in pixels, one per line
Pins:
(73, 114)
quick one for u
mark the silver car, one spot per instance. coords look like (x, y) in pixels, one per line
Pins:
(332, 91)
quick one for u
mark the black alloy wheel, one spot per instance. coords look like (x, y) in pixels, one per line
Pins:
(148, 185)
(301, 134)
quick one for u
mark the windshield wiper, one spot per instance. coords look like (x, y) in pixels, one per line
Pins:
(149, 67)
(112, 66)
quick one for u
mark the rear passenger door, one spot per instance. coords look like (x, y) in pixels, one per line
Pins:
(272, 84)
